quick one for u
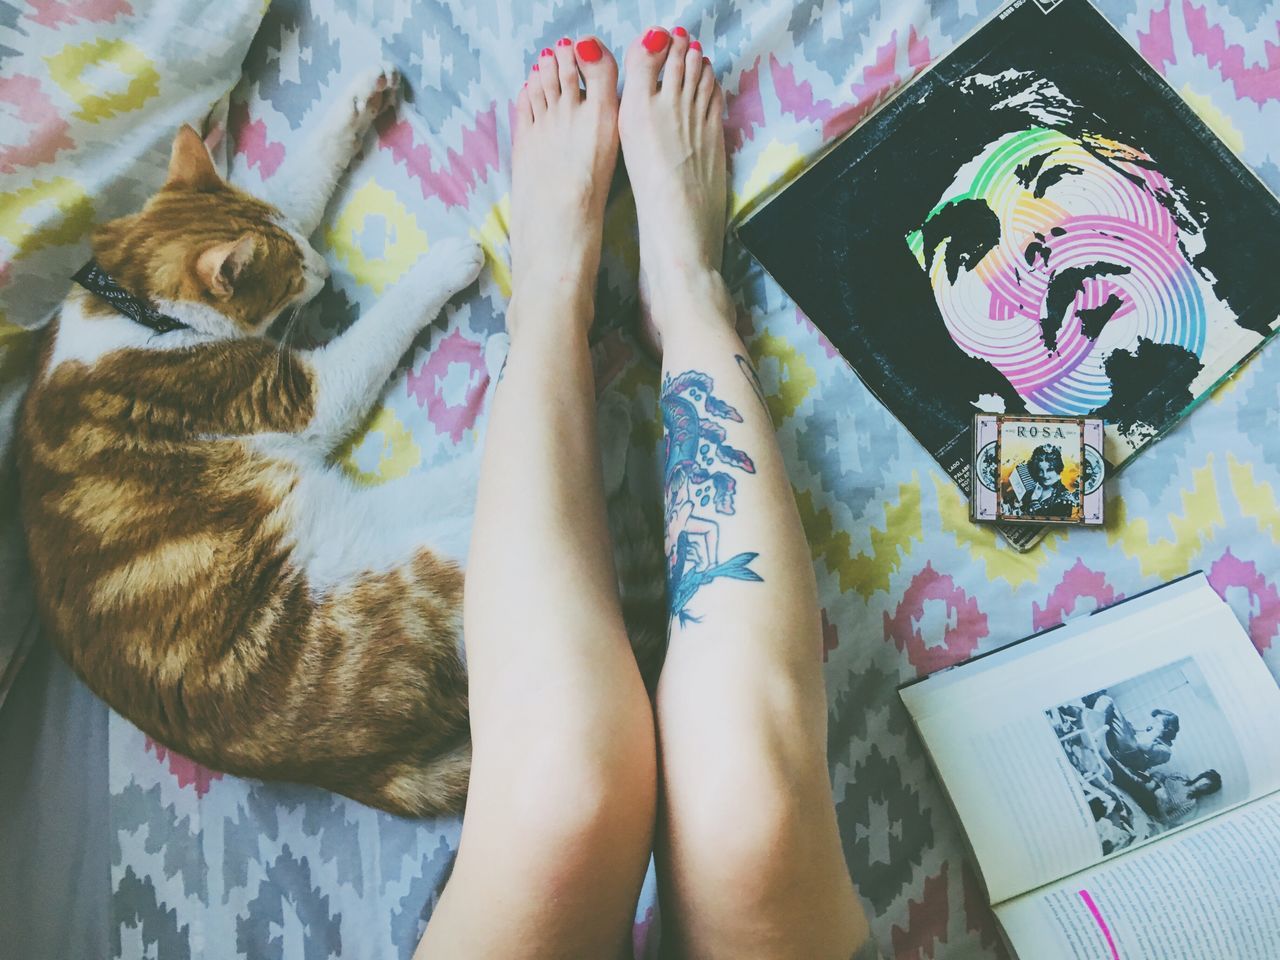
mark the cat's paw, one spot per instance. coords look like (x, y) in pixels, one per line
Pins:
(369, 94)
(454, 263)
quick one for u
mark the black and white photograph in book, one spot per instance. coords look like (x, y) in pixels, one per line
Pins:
(1151, 753)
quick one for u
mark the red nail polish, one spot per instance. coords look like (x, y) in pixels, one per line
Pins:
(535, 66)
(563, 42)
(680, 32)
(707, 61)
(547, 52)
(589, 51)
(695, 45)
(655, 41)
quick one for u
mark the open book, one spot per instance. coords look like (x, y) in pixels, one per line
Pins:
(1118, 781)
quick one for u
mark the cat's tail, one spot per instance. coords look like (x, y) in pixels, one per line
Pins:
(431, 788)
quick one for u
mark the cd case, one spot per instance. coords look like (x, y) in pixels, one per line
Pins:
(1037, 470)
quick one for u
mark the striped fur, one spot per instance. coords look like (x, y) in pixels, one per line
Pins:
(162, 483)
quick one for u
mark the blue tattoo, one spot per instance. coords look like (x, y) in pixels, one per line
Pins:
(694, 443)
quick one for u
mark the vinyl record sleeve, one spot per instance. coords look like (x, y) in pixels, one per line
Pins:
(1038, 224)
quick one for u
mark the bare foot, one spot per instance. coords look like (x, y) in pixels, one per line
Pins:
(673, 145)
(566, 146)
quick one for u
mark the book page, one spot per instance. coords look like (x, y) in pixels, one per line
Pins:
(1209, 891)
(1098, 737)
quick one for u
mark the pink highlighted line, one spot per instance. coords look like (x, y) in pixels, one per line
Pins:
(1097, 915)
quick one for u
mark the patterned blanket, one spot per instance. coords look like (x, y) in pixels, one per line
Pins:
(209, 866)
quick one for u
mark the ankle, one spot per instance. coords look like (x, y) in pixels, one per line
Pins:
(557, 305)
(689, 296)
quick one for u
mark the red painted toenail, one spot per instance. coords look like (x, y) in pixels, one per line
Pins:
(535, 66)
(548, 52)
(655, 41)
(589, 50)
(707, 61)
(695, 45)
(563, 42)
(680, 32)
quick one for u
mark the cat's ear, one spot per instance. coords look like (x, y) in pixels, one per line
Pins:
(220, 266)
(190, 165)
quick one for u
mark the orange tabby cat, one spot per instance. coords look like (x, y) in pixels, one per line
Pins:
(198, 559)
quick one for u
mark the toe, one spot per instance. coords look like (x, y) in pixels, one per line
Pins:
(566, 66)
(549, 74)
(524, 110)
(707, 87)
(598, 68)
(715, 106)
(692, 72)
(645, 58)
(673, 74)
(533, 90)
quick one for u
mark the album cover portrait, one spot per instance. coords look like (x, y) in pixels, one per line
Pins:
(1037, 225)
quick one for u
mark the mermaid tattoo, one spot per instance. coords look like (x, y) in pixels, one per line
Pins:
(694, 443)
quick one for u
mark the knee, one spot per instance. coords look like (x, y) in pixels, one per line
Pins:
(759, 832)
(588, 821)
(571, 822)
(746, 834)
(572, 782)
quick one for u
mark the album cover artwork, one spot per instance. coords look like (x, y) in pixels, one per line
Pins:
(1038, 470)
(984, 485)
(1036, 225)
(1041, 471)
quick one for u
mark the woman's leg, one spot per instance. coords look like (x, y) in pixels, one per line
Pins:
(749, 853)
(559, 820)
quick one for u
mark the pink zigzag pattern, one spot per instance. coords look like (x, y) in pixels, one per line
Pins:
(959, 641)
(32, 106)
(641, 933)
(978, 917)
(1256, 82)
(453, 180)
(1076, 583)
(927, 920)
(879, 79)
(1264, 619)
(745, 108)
(188, 773)
(830, 636)
(50, 13)
(1156, 44)
(796, 97)
(424, 385)
(251, 141)
(811, 329)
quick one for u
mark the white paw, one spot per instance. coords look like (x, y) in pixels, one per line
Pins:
(369, 94)
(454, 263)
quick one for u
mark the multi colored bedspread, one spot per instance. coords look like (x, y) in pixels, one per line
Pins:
(210, 866)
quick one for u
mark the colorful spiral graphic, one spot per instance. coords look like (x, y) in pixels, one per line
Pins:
(1096, 244)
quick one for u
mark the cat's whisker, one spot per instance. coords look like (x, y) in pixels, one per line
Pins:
(284, 342)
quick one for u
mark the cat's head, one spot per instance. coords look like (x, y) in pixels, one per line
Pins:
(213, 256)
